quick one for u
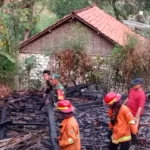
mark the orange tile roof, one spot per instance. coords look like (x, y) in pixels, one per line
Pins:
(106, 24)
(98, 20)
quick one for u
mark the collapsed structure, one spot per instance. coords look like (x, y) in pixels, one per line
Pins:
(24, 126)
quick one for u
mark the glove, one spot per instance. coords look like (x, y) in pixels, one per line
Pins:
(134, 138)
(110, 132)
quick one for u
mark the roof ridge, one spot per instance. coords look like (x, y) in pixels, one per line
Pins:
(83, 9)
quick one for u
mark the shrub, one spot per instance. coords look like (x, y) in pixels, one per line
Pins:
(4, 90)
(131, 61)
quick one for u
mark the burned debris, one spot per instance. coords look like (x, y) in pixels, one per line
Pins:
(23, 126)
(23, 122)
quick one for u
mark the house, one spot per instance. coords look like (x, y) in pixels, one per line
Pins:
(104, 33)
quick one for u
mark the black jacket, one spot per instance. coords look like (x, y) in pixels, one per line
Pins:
(49, 87)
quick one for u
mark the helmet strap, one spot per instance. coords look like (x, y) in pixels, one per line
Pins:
(63, 116)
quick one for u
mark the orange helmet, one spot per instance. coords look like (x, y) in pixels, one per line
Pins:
(111, 98)
(65, 106)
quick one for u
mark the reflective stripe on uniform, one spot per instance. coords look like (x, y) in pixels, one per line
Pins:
(125, 138)
(132, 122)
(62, 108)
(71, 141)
(112, 101)
(78, 136)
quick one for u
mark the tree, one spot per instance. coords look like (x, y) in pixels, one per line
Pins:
(20, 17)
(64, 7)
(5, 43)
(17, 20)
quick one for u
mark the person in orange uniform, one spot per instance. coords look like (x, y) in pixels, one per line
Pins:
(122, 125)
(69, 138)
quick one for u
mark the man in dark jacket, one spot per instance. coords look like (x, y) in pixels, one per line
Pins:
(49, 87)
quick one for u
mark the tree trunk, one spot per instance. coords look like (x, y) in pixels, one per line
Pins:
(96, 2)
(116, 11)
(26, 35)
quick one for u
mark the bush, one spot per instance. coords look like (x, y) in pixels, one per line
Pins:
(4, 90)
(8, 70)
(76, 67)
(130, 62)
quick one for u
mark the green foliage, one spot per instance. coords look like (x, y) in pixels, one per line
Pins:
(16, 19)
(44, 22)
(64, 7)
(129, 62)
(145, 33)
(128, 9)
(94, 76)
(25, 74)
(143, 4)
(5, 43)
(7, 71)
(30, 63)
(121, 52)
(8, 63)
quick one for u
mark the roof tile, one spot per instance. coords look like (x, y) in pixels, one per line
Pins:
(100, 21)
(106, 24)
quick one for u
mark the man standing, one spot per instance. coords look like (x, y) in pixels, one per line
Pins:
(136, 99)
(122, 124)
(47, 78)
(58, 87)
(69, 138)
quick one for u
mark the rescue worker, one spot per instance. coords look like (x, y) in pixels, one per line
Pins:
(69, 138)
(49, 88)
(58, 87)
(136, 99)
(58, 94)
(122, 124)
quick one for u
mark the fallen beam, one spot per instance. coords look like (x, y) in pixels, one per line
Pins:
(87, 104)
(28, 124)
(2, 129)
(4, 123)
(10, 122)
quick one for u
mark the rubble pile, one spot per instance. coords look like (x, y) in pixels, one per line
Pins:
(28, 126)
(28, 122)
(93, 121)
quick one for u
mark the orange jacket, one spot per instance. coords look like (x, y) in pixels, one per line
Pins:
(69, 138)
(124, 127)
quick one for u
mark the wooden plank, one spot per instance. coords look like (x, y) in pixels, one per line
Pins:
(2, 129)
